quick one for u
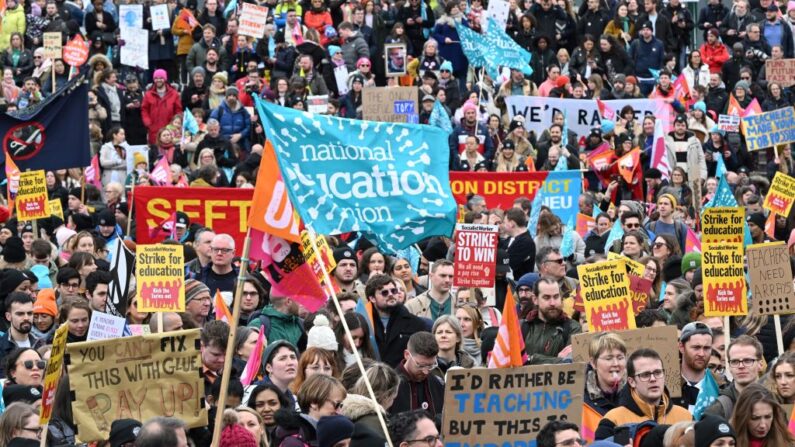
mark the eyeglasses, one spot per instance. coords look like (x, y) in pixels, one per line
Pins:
(430, 441)
(29, 364)
(632, 225)
(337, 404)
(222, 250)
(646, 376)
(423, 367)
(250, 294)
(388, 292)
(745, 362)
(572, 442)
(556, 261)
(70, 285)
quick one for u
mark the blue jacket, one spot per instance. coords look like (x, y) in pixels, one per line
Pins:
(233, 121)
(450, 52)
(646, 55)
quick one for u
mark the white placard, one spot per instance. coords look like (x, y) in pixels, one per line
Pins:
(253, 20)
(341, 76)
(729, 123)
(131, 16)
(317, 104)
(104, 326)
(139, 149)
(159, 15)
(497, 10)
(135, 51)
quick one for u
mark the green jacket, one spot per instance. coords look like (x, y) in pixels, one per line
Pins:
(543, 341)
(282, 326)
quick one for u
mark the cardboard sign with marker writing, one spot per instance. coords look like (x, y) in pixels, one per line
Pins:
(510, 404)
(662, 339)
(770, 278)
(780, 71)
(53, 45)
(390, 104)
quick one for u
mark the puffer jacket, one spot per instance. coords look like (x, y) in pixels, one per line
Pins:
(633, 410)
(543, 341)
(282, 326)
(157, 112)
(13, 22)
(233, 121)
(595, 397)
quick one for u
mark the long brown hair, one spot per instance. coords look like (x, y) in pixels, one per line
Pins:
(778, 436)
(307, 358)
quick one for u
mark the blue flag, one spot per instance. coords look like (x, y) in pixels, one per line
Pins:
(723, 195)
(562, 164)
(189, 123)
(230, 8)
(596, 211)
(616, 233)
(411, 254)
(662, 291)
(439, 118)
(565, 140)
(373, 177)
(535, 212)
(567, 244)
(470, 45)
(500, 50)
(720, 169)
(706, 396)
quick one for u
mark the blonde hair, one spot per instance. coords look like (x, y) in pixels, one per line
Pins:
(14, 418)
(607, 341)
(316, 390)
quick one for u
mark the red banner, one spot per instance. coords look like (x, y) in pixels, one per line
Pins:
(475, 255)
(225, 210)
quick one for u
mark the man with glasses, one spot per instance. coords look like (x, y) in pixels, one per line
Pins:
(551, 264)
(644, 397)
(560, 434)
(414, 429)
(695, 346)
(68, 281)
(392, 323)
(548, 329)
(419, 389)
(220, 274)
(745, 365)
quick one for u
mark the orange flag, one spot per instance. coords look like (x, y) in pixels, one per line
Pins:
(628, 165)
(271, 210)
(509, 346)
(221, 311)
(12, 174)
(770, 225)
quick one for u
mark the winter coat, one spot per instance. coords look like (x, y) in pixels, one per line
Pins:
(157, 112)
(736, 23)
(183, 31)
(595, 397)
(546, 20)
(445, 28)
(696, 76)
(420, 305)
(714, 56)
(393, 339)
(13, 22)
(711, 14)
(318, 21)
(633, 410)
(197, 55)
(593, 23)
(353, 49)
(680, 34)
(114, 167)
(233, 121)
(131, 119)
(24, 65)
(294, 429)
(695, 156)
(160, 48)
(362, 410)
(427, 395)
(283, 326)
(417, 33)
(646, 55)
(543, 341)
(716, 99)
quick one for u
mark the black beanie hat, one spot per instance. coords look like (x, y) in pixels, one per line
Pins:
(82, 222)
(712, 427)
(672, 268)
(14, 250)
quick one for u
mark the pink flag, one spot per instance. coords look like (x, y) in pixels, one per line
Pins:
(692, 244)
(166, 229)
(221, 311)
(253, 363)
(753, 108)
(659, 157)
(161, 174)
(605, 110)
(92, 172)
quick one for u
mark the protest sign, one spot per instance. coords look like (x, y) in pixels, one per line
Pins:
(780, 195)
(729, 123)
(252, 20)
(780, 71)
(159, 278)
(53, 45)
(509, 404)
(137, 378)
(500, 189)
(225, 210)
(131, 16)
(135, 51)
(390, 104)
(770, 278)
(52, 374)
(130, 157)
(341, 78)
(315, 103)
(475, 255)
(317, 252)
(640, 293)
(32, 202)
(724, 279)
(497, 10)
(104, 326)
(634, 268)
(769, 129)
(56, 208)
(139, 329)
(663, 339)
(159, 14)
(75, 52)
(605, 295)
(722, 224)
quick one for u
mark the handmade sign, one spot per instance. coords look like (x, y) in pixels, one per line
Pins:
(729, 123)
(780, 195)
(53, 45)
(509, 404)
(159, 15)
(131, 16)
(606, 296)
(32, 202)
(135, 377)
(160, 278)
(315, 103)
(104, 326)
(769, 129)
(722, 224)
(75, 52)
(135, 51)
(780, 71)
(252, 20)
(390, 104)
(724, 279)
(663, 339)
(770, 278)
(52, 375)
(475, 255)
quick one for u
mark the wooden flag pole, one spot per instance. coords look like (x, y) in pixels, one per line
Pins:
(333, 296)
(779, 338)
(241, 278)
(82, 186)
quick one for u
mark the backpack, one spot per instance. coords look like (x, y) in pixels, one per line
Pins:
(632, 434)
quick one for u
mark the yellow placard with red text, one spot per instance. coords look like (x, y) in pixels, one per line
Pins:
(32, 202)
(56, 208)
(724, 279)
(781, 194)
(160, 278)
(311, 252)
(634, 267)
(606, 296)
(52, 375)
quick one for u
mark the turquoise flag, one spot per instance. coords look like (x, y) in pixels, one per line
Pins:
(470, 45)
(662, 291)
(439, 118)
(706, 396)
(189, 123)
(501, 50)
(567, 244)
(720, 169)
(565, 131)
(723, 195)
(230, 8)
(562, 164)
(535, 212)
(616, 233)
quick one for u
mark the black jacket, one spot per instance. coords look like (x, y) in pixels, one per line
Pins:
(427, 395)
(522, 254)
(392, 341)
(662, 30)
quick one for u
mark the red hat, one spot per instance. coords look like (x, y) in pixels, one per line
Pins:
(561, 81)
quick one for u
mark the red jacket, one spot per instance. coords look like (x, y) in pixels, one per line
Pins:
(318, 21)
(157, 112)
(714, 56)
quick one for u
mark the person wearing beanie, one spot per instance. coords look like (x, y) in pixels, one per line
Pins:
(28, 394)
(123, 431)
(321, 335)
(45, 310)
(284, 321)
(683, 149)
(14, 252)
(665, 222)
(161, 102)
(712, 430)
(690, 262)
(234, 119)
(756, 225)
(197, 301)
(695, 344)
(470, 126)
(346, 273)
(333, 429)
(233, 434)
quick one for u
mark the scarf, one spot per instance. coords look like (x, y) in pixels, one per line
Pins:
(166, 151)
(472, 347)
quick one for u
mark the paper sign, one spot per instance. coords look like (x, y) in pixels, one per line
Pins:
(769, 129)
(724, 279)
(475, 255)
(341, 77)
(378, 104)
(509, 404)
(781, 194)
(606, 296)
(252, 20)
(32, 202)
(770, 278)
(53, 45)
(135, 51)
(137, 378)
(497, 10)
(662, 339)
(633, 267)
(75, 53)
(159, 275)
(316, 103)
(780, 71)
(131, 16)
(311, 251)
(139, 149)
(56, 208)
(104, 326)
(722, 224)
(159, 15)
(52, 375)
(139, 329)
(729, 123)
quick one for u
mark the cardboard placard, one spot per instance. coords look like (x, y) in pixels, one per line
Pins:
(780, 71)
(722, 224)
(769, 129)
(510, 404)
(724, 279)
(664, 340)
(252, 20)
(606, 296)
(135, 377)
(159, 14)
(104, 326)
(32, 202)
(475, 255)
(159, 275)
(390, 104)
(770, 278)
(781, 194)
(75, 52)
(53, 45)
(52, 374)
(729, 123)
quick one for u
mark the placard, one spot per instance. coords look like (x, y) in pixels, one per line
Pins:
(509, 404)
(780, 71)
(52, 374)
(729, 123)
(131, 16)
(75, 52)
(770, 277)
(316, 103)
(252, 20)
(104, 326)
(497, 10)
(56, 208)
(724, 279)
(634, 268)
(640, 293)
(722, 224)
(475, 255)
(395, 58)
(32, 202)
(137, 378)
(769, 129)
(53, 45)
(780, 195)
(606, 296)
(130, 157)
(135, 51)
(390, 104)
(139, 329)
(159, 278)
(159, 14)
(664, 340)
(341, 78)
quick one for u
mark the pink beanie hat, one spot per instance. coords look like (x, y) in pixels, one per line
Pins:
(362, 60)
(469, 105)
(160, 73)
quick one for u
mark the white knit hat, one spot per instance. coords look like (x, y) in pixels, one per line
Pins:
(321, 336)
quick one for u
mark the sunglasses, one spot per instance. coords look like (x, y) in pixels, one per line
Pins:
(387, 292)
(29, 364)
(632, 225)
(337, 405)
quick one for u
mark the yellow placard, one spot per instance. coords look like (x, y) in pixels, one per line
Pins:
(160, 278)
(32, 202)
(634, 267)
(56, 208)
(781, 194)
(606, 296)
(722, 224)
(52, 374)
(311, 255)
(53, 45)
(724, 279)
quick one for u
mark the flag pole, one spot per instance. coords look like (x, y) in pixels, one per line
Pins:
(333, 296)
(241, 277)
(83, 186)
(130, 202)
